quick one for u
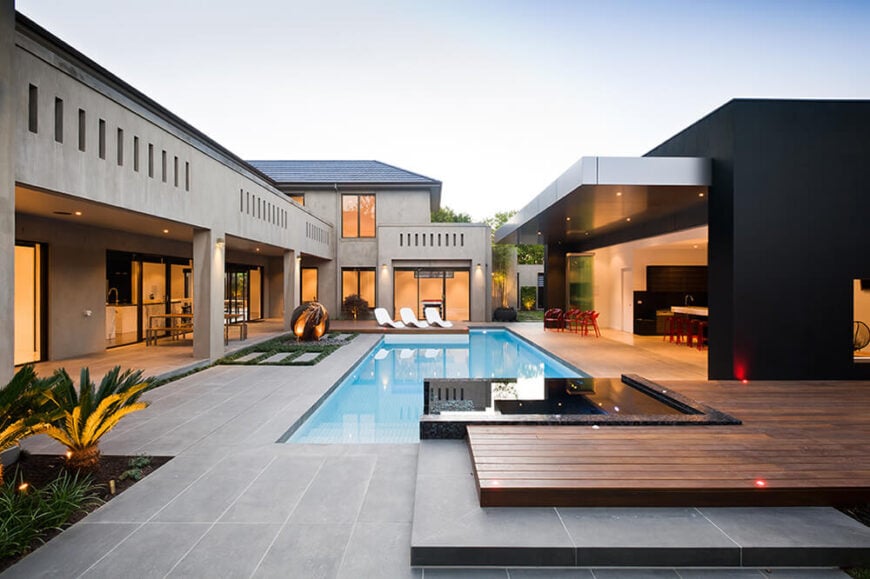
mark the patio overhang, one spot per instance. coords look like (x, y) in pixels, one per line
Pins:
(601, 201)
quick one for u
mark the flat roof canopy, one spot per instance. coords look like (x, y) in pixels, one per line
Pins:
(599, 201)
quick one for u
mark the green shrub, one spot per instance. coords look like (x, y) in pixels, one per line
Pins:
(27, 514)
(528, 297)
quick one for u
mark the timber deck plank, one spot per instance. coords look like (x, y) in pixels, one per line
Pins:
(805, 441)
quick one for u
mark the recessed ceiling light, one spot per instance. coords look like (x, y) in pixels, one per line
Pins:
(258, 250)
(628, 218)
(78, 212)
(567, 219)
(587, 233)
(165, 231)
(539, 233)
(619, 193)
(701, 194)
(695, 246)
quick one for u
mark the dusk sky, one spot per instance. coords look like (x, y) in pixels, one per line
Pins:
(494, 98)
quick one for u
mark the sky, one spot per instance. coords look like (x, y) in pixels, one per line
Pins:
(495, 98)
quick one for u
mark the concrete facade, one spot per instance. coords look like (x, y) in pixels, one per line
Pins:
(90, 165)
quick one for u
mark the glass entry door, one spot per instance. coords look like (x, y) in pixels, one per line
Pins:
(243, 292)
(29, 297)
(445, 289)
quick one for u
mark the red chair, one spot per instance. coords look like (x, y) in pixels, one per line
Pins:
(573, 320)
(589, 320)
(554, 319)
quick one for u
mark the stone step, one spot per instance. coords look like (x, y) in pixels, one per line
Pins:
(450, 529)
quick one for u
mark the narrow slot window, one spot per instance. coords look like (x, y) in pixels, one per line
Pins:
(33, 109)
(187, 176)
(462, 239)
(241, 200)
(175, 171)
(58, 120)
(163, 166)
(136, 153)
(150, 160)
(83, 130)
(120, 139)
(102, 137)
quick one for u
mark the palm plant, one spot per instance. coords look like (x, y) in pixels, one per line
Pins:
(81, 416)
(20, 402)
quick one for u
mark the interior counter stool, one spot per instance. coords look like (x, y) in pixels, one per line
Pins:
(701, 334)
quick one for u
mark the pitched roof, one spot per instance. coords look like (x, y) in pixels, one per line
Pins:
(339, 172)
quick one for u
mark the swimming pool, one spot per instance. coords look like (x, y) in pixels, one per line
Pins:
(381, 399)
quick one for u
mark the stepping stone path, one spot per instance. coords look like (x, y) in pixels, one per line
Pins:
(275, 358)
(306, 357)
(249, 357)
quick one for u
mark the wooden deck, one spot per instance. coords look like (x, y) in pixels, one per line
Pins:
(800, 444)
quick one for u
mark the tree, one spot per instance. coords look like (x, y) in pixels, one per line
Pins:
(530, 254)
(447, 215)
(498, 220)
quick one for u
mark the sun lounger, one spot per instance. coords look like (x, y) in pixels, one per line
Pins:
(410, 319)
(433, 316)
(384, 319)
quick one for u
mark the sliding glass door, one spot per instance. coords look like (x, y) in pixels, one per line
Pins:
(449, 290)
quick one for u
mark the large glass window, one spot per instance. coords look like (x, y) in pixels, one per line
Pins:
(308, 290)
(447, 290)
(358, 281)
(357, 215)
(580, 294)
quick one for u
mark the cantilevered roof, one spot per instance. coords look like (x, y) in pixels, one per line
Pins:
(300, 172)
(599, 201)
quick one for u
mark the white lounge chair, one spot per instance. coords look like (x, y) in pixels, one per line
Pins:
(410, 319)
(384, 319)
(433, 316)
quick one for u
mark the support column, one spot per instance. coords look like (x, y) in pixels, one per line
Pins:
(291, 284)
(7, 188)
(209, 249)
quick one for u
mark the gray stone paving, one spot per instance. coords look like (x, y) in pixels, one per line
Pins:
(232, 503)
(249, 357)
(451, 528)
(275, 358)
(306, 357)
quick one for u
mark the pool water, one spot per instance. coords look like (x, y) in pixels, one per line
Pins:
(381, 400)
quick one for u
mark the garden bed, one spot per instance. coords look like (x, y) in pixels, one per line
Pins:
(39, 470)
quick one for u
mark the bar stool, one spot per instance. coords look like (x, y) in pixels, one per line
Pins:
(701, 333)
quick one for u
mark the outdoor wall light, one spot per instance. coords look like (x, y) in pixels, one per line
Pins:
(220, 242)
(478, 266)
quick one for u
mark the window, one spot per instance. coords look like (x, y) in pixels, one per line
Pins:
(357, 215)
(102, 144)
(359, 281)
(175, 171)
(58, 120)
(298, 198)
(120, 147)
(136, 153)
(163, 166)
(83, 129)
(33, 109)
(187, 176)
(150, 160)
(308, 287)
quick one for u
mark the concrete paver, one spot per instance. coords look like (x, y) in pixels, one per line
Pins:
(233, 503)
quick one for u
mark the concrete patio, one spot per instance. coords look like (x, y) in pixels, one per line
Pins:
(235, 504)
